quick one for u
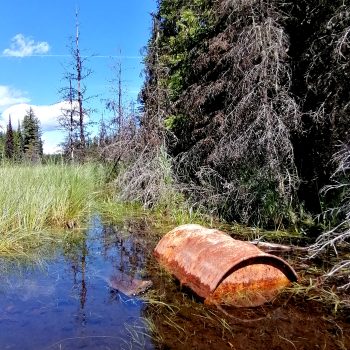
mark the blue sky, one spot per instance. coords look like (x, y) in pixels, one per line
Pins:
(34, 39)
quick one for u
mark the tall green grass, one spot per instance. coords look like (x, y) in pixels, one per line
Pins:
(36, 198)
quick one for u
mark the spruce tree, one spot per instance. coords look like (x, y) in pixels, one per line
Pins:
(32, 143)
(9, 141)
(18, 144)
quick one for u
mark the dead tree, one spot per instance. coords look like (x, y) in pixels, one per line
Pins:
(79, 78)
(115, 103)
(118, 142)
(68, 119)
(73, 118)
(338, 237)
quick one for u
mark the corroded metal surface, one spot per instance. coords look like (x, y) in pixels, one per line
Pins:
(221, 269)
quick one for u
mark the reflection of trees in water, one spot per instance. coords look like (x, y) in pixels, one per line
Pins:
(83, 290)
(76, 253)
(105, 253)
(125, 249)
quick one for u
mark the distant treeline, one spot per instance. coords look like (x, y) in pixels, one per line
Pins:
(250, 100)
(23, 143)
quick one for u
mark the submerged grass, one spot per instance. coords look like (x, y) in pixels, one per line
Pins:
(36, 199)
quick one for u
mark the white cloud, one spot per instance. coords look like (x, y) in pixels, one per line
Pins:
(48, 116)
(10, 96)
(22, 46)
(52, 141)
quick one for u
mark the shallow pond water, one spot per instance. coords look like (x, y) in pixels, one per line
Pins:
(68, 303)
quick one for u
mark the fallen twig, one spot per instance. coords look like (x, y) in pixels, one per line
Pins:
(267, 246)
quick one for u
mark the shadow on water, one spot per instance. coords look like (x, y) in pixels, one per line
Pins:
(68, 303)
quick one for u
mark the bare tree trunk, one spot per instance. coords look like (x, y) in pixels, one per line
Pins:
(71, 122)
(120, 107)
(79, 90)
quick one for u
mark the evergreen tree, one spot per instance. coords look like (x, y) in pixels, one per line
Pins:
(9, 141)
(220, 99)
(32, 143)
(2, 145)
(18, 144)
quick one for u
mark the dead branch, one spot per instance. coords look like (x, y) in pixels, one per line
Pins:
(275, 247)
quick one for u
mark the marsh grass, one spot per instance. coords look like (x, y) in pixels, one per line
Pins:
(322, 294)
(37, 201)
(161, 219)
(116, 211)
(179, 212)
(146, 186)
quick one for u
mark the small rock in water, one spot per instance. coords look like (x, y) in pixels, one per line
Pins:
(128, 285)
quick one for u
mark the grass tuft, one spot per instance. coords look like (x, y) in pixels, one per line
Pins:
(36, 199)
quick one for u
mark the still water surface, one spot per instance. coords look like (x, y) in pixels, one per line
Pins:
(67, 303)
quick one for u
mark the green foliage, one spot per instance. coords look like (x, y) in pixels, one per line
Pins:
(173, 122)
(252, 98)
(2, 145)
(32, 143)
(175, 84)
(184, 26)
(190, 27)
(9, 141)
(18, 144)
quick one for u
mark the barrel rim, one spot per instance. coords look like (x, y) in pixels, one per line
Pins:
(267, 259)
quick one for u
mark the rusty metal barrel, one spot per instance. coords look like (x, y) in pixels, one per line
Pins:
(220, 269)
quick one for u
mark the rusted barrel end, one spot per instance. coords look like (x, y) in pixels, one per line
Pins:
(220, 269)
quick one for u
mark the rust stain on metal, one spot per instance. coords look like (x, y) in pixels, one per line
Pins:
(220, 269)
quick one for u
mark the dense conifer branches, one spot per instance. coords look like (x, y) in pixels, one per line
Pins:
(227, 109)
(9, 150)
(31, 133)
(250, 97)
(25, 143)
